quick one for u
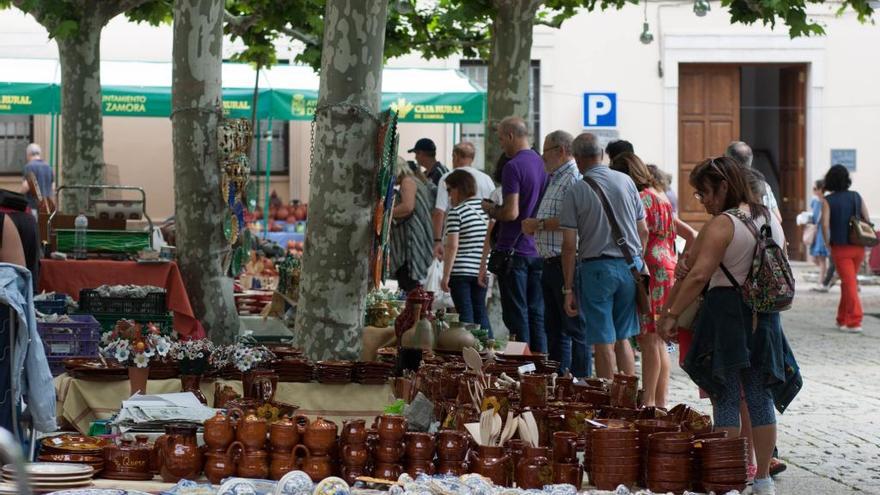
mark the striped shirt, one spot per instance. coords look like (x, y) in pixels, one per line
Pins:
(470, 222)
(549, 243)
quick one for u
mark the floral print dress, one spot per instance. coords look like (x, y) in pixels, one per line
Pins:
(659, 253)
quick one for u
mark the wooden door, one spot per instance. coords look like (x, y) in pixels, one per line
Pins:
(792, 154)
(708, 120)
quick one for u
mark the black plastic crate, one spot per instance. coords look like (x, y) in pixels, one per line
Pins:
(55, 306)
(92, 303)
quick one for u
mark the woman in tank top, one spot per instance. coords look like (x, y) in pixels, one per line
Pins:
(730, 355)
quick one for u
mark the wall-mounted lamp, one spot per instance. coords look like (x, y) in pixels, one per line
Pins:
(701, 7)
(646, 36)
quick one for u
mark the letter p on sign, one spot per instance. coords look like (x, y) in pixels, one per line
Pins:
(600, 109)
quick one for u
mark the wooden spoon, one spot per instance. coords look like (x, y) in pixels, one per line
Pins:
(473, 360)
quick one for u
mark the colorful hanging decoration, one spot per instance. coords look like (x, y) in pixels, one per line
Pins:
(234, 138)
(386, 155)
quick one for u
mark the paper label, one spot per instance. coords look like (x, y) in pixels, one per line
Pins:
(527, 368)
(61, 348)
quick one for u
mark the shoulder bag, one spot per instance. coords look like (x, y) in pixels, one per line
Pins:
(861, 232)
(642, 281)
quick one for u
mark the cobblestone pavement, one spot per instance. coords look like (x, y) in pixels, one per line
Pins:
(830, 435)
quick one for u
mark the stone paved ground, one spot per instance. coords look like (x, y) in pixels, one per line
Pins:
(830, 435)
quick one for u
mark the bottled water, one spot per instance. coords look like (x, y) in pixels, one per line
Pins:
(81, 225)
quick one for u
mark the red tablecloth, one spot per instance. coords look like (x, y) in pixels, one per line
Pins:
(69, 276)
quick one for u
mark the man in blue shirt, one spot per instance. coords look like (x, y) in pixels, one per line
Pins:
(42, 172)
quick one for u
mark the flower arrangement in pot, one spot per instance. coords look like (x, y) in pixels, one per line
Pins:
(135, 345)
(193, 357)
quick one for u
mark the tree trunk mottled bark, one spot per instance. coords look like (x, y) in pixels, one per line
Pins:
(509, 61)
(82, 127)
(199, 207)
(335, 265)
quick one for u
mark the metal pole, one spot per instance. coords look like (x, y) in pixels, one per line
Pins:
(268, 168)
(52, 144)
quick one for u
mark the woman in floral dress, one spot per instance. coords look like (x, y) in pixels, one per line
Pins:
(660, 257)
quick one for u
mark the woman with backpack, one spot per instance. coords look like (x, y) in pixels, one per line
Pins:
(738, 346)
(837, 209)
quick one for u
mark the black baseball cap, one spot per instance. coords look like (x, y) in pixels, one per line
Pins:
(424, 144)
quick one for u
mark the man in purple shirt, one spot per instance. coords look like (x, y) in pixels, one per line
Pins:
(522, 183)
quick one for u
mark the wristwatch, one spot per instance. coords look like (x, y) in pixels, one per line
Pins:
(541, 224)
(565, 291)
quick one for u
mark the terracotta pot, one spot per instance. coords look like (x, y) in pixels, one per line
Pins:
(219, 432)
(191, 383)
(253, 464)
(452, 468)
(452, 445)
(179, 454)
(533, 390)
(388, 452)
(415, 467)
(492, 463)
(219, 465)
(624, 391)
(568, 473)
(283, 435)
(137, 379)
(419, 446)
(251, 431)
(320, 436)
(355, 455)
(534, 469)
(391, 427)
(564, 447)
(389, 472)
(354, 432)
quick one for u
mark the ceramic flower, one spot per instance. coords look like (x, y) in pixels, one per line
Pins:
(141, 360)
(121, 354)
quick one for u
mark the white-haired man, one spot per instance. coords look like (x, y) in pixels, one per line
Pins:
(42, 173)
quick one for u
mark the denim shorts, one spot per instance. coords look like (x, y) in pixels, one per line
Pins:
(607, 295)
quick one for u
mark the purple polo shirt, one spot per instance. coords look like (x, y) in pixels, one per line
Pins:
(524, 175)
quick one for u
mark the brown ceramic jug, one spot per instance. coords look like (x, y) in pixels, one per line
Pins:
(283, 463)
(179, 454)
(317, 467)
(355, 455)
(219, 465)
(570, 474)
(391, 427)
(533, 390)
(415, 467)
(351, 473)
(219, 432)
(534, 469)
(254, 464)
(452, 445)
(564, 447)
(452, 468)
(251, 431)
(354, 431)
(283, 435)
(387, 471)
(320, 436)
(388, 452)
(419, 446)
(492, 463)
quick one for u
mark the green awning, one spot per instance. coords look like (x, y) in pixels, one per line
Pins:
(287, 92)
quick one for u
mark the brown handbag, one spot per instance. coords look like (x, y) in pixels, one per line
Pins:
(642, 280)
(861, 232)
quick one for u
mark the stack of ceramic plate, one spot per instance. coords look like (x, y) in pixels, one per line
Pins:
(334, 371)
(294, 370)
(50, 476)
(372, 373)
(95, 369)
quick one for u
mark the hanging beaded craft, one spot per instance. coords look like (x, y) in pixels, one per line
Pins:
(234, 137)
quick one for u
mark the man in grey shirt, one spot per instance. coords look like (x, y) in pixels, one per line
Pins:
(742, 153)
(605, 286)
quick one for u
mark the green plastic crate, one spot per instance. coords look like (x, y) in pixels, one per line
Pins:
(105, 241)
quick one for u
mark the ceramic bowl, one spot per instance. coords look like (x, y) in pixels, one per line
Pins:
(294, 483)
(237, 486)
(332, 486)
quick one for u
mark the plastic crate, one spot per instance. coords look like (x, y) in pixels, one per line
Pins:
(80, 337)
(108, 320)
(92, 303)
(105, 241)
(55, 306)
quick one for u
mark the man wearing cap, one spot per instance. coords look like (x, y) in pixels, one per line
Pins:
(426, 157)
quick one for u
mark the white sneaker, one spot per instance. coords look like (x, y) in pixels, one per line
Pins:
(854, 329)
(820, 288)
(761, 489)
(843, 328)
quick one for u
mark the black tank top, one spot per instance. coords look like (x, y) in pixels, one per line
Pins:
(26, 225)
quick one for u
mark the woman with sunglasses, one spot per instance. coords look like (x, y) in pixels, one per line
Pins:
(731, 355)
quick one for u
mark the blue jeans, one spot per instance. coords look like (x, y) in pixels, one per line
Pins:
(608, 299)
(470, 301)
(566, 336)
(522, 301)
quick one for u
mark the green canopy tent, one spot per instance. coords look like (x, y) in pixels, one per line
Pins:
(285, 92)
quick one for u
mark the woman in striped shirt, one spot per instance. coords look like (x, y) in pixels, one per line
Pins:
(466, 226)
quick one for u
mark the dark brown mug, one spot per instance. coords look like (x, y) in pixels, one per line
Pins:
(391, 427)
(419, 446)
(415, 467)
(534, 469)
(493, 463)
(354, 432)
(569, 473)
(354, 455)
(564, 447)
(351, 473)
(452, 445)
(533, 390)
(385, 471)
(388, 452)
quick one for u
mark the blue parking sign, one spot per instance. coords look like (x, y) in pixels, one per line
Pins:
(600, 109)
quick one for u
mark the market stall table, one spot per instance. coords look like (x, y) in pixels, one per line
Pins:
(80, 402)
(70, 276)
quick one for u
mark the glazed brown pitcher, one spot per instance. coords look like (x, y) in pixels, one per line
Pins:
(179, 454)
(220, 465)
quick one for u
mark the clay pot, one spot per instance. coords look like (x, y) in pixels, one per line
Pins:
(568, 473)
(388, 452)
(452, 468)
(624, 391)
(355, 455)
(492, 463)
(190, 383)
(127, 460)
(533, 391)
(419, 446)
(179, 454)
(534, 469)
(391, 427)
(389, 472)
(564, 447)
(452, 445)
(251, 431)
(283, 435)
(219, 432)
(253, 464)
(354, 432)
(281, 464)
(219, 465)
(455, 338)
(320, 436)
(317, 467)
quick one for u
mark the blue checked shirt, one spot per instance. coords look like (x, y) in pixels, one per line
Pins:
(549, 243)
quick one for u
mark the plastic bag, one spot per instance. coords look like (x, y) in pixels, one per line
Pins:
(432, 284)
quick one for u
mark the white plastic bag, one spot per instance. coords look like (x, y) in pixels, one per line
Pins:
(432, 284)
